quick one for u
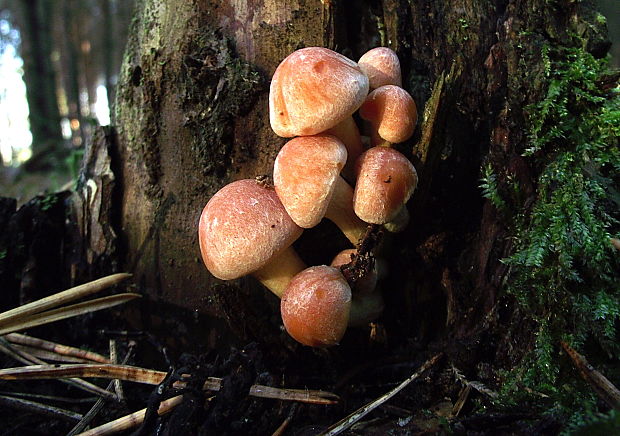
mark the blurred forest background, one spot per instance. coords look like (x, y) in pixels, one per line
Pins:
(59, 62)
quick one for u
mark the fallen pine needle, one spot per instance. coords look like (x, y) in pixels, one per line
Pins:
(28, 359)
(132, 420)
(34, 320)
(61, 298)
(108, 371)
(48, 355)
(153, 377)
(348, 421)
(65, 350)
(301, 395)
(45, 409)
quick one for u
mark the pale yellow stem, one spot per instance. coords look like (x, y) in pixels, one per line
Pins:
(277, 274)
(340, 211)
(400, 221)
(349, 134)
(365, 308)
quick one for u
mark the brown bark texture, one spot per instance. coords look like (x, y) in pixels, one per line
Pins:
(192, 115)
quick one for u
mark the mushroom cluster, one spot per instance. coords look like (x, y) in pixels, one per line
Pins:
(249, 226)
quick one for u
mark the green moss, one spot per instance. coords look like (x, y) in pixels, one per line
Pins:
(564, 273)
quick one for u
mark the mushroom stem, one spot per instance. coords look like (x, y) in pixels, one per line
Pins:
(348, 132)
(340, 211)
(365, 308)
(400, 222)
(279, 271)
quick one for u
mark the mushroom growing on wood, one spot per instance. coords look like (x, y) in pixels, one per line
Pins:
(307, 180)
(244, 229)
(385, 182)
(382, 67)
(316, 306)
(392, 113)
(315, 89)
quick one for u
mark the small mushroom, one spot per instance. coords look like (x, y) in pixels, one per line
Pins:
(392, 113)
(385, 182)
(307, 180)
(316, 306)
(244, 229)
(315, 89)
(382, 67)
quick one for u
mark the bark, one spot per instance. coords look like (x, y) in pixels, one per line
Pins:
(39, 75)
(191, 115)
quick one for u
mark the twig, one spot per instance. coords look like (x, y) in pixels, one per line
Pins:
(61, 298)
(33, 320)
(132, 420)
(44, 409)
(348, 421)
(462, 399)
(474, 384)
(65, 350)
(28, 359)
(601, 385)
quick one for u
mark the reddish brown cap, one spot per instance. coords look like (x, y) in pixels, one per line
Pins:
(315, 306)
(363, 285)
(304, 175)
(314, 89)
(385, 181)
(392, 112)
(382, 67)
(242, 227)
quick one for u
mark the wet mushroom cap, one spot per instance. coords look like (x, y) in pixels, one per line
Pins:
(316, 305)
(304, 175)
(382, 67)
(385, 181)
(242, 227)
(392, 111)
(313, 90)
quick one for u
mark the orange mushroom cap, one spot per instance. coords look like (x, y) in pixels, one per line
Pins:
(315, 306)
(385, 181)
(305, 174)
(392, 112)
(382, 67)
(313, 90)
(242, 227)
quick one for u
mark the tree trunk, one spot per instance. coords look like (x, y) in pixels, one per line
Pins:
(192, 115)
(39, 75)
